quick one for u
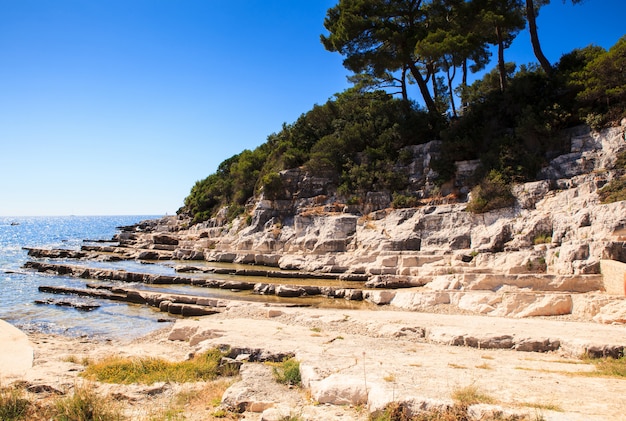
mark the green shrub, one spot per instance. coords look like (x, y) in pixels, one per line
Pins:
(272, 185)
(287, 372)
(620, 162)
(403, 201)
(542, 238)
(492, 193)
(614, 191)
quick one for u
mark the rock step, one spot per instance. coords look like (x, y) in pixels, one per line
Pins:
(280, 290)
(351, 277)
(157, 252)
(76, 304)
(508, 301)
(77, 271)
(511, 303)
(184, 305)
(476, 281)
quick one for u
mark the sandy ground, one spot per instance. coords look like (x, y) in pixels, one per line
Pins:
(384, 350)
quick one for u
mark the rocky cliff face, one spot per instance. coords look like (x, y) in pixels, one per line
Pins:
(558, 218)
(553, 240)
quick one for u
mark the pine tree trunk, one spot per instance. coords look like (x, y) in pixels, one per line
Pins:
(421, 83)
(534, 37)
(501, 66)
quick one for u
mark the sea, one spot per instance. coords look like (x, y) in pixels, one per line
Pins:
(19, 287)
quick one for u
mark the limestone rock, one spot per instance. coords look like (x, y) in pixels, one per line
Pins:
(614, 312)
(481, 303)
(379, 297)
(419, 300)
(527, 305)
(251, 393)
(338, 389)
(182, 331)
(536, 345)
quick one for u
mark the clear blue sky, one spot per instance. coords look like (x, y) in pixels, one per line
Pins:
(120, 106)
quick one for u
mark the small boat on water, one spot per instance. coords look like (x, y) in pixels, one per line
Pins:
(14, 223)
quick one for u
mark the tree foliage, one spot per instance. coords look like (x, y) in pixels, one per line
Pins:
(353, 139)
(379, 36)
(426, 42)
(603, 79)
(510, 119)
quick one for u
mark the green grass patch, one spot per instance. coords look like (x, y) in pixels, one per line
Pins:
(287, 372)
(202, 367)
(609, 367)
(543, 238)
(470, 395)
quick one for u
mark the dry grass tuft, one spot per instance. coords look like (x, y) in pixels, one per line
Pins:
(205, 366)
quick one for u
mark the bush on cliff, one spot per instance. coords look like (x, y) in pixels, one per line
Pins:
(493, 192)
(602, 83)
(615, 190)
(353, 139)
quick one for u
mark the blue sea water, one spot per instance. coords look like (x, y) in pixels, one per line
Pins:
(19, 287)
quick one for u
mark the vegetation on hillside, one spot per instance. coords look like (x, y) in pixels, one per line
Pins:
(354, 139)
(510, 119)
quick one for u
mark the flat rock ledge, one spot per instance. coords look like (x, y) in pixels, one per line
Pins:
(350, 359)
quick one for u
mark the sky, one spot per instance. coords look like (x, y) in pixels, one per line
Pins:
(117, 107)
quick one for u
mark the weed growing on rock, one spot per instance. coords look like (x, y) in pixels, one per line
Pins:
(291, 417)
(542, 238)
(544, 406)
(397, 411)
(13, 405)
(609, 367)
(86, 404)
(453, 365)
(470, 395)
(203, 401)
(287, 372)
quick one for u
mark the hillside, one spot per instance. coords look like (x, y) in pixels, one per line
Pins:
(361, 146)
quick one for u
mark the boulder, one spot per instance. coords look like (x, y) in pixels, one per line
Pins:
(419, 300)
(529, 305)
(379, 297)
(250, 394)
(182, 331)
(338, 389)
(165, 239)
(614, 312)
(536, 345)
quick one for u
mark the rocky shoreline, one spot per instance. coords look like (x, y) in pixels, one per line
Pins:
(355, 362)
(445, 289)
(558, 252)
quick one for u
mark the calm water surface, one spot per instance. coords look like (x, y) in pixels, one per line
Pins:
(18, 288)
